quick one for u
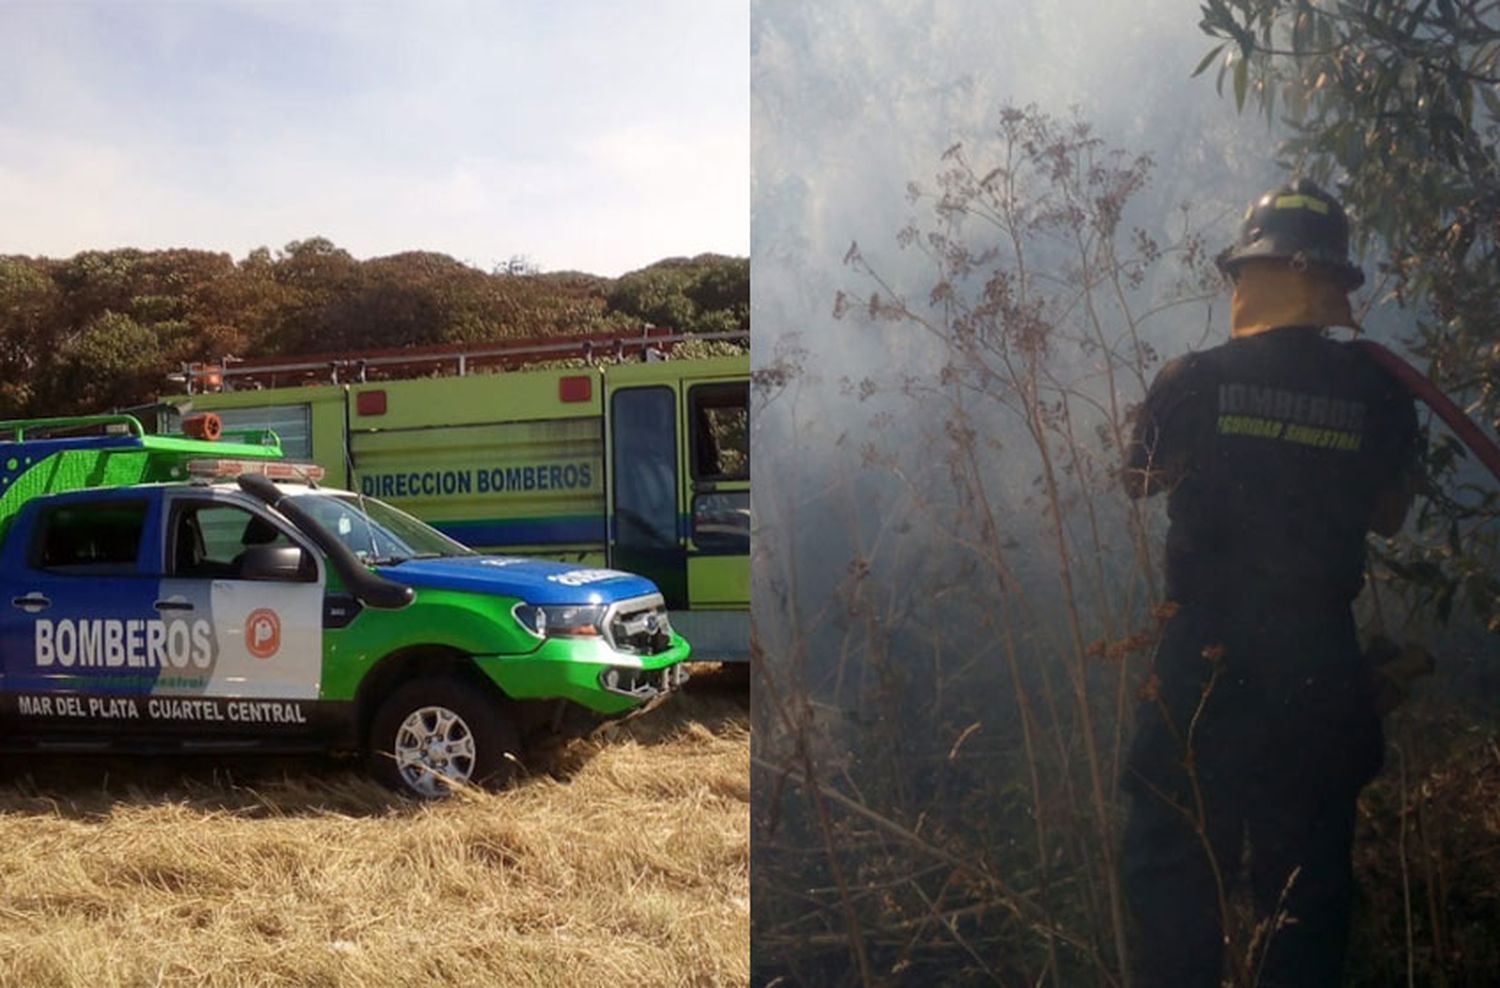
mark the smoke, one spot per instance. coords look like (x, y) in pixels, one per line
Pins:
(876, 590)
(851, 101)
(953, 598)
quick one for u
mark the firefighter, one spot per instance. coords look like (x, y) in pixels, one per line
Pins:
(1278, 450)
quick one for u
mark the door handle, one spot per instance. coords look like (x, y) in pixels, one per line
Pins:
(31, 603)
(173, 605)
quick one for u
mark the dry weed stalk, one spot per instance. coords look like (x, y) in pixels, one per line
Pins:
(977, 637)
(1040, 355)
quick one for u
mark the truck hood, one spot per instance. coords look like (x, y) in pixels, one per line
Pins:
(535, 581)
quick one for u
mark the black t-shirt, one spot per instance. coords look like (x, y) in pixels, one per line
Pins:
(1277, 446)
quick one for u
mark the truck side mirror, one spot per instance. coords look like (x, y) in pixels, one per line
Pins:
(281, 563)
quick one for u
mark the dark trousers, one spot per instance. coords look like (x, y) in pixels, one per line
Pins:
(1267, 738)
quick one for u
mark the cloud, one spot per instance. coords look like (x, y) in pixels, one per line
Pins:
(586, 136)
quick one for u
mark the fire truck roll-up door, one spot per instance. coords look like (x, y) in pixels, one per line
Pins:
(679, 498)
(535, 488)
(502, 463)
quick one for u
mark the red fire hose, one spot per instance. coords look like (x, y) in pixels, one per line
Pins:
(1417, 383)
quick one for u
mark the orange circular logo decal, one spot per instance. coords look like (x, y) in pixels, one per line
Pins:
(263, 633)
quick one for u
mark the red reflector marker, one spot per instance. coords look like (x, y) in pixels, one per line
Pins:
(370, 403)
(579, 387)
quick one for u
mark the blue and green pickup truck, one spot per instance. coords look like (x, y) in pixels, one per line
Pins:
(197, 594)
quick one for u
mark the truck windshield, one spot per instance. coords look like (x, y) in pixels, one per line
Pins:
(377, 532)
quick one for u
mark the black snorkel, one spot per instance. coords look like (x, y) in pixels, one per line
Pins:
(369, 588)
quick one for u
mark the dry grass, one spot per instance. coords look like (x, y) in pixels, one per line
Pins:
(623, 860)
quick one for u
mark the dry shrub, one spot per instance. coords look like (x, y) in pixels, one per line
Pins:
(1427, 857)
(621, 859)
(994, 620)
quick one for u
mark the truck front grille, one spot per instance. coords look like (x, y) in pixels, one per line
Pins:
(640, 626)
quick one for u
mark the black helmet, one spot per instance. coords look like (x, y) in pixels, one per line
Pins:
(1300, 223)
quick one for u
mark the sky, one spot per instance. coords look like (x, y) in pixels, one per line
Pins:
(584, 135)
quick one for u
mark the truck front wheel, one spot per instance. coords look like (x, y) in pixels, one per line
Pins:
(431, 735)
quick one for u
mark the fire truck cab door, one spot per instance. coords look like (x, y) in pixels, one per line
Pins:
(678, 462)
(716, 515)
(716, 422)
(644, 477)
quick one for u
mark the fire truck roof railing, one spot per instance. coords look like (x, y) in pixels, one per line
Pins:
(69, 426)
(346, 366)
(125, 432)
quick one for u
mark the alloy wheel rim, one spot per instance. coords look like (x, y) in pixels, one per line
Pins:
(434, 751)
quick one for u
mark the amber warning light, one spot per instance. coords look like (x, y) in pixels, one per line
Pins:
(205, 426)
(275, 470)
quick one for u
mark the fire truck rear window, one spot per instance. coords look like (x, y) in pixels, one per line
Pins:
(92, 539)
(291, 423)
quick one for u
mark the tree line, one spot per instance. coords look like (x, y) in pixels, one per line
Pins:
(102, 329)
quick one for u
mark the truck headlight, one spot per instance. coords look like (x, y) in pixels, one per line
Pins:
(562, 620)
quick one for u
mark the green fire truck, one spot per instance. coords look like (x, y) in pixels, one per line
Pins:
(634, 458)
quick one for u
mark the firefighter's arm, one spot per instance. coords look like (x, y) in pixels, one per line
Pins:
(1391, 507)
(1155, 460)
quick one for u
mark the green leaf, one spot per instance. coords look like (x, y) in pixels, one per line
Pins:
(1207, 60)
(1241, 82)
(1214, 16)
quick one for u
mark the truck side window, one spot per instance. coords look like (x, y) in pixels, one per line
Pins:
(720, 423)
(101, 538)
(209, 539)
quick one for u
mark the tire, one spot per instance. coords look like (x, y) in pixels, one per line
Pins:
(736, 675)
(432, 735)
